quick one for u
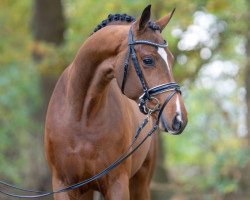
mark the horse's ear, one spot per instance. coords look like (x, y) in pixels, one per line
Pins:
(144, 19)
(162, 23)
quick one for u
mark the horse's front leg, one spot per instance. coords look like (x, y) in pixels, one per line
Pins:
(118, 189)
(140, 182)
(56, 185)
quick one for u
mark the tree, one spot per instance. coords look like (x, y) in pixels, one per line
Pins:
(48, 26)
(247, 75)
(245, 173)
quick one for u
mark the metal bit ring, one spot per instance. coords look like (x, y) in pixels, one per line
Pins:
(155, 107)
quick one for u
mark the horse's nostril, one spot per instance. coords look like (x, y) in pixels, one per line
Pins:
(177, 123)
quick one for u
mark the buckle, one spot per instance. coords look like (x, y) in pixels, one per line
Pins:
(145, 108)
(155, 106)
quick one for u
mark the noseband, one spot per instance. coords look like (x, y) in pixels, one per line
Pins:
(148, 94)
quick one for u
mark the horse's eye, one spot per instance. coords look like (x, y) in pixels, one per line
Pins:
(148, 61)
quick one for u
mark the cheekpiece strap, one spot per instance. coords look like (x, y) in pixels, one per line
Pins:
(125, 72)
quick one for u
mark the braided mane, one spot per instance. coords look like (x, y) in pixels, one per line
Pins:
(116, 18)
(122, 18)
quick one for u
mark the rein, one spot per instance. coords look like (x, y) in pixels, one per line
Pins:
(148, 95)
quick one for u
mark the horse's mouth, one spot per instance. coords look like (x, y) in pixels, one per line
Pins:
(164, 127)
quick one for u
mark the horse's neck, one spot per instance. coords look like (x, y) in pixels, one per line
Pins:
(90, 74)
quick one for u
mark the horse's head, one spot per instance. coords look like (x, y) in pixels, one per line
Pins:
(147, 75)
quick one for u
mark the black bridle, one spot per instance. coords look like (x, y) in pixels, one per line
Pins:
(148, 95)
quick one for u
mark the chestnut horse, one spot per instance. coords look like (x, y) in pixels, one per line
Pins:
(91, 122)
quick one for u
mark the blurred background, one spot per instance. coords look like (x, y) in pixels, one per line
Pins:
(211, 43)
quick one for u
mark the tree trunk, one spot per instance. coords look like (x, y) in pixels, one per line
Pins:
(48, 22)
(245, 176)
(48, 26)
(159, 187)
(247, 77)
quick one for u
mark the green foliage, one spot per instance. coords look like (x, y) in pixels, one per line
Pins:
(14, 31)
(209, 152)
(19, 99)
(18, 88)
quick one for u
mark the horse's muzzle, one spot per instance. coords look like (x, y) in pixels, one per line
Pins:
(176, 127)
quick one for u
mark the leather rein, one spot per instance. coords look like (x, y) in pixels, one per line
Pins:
(148, 95)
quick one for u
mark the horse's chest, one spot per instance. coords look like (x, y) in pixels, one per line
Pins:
(87, 150)
(86, 155)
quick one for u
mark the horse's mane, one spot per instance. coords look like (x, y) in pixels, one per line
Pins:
(115, 19)
(122, 19)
